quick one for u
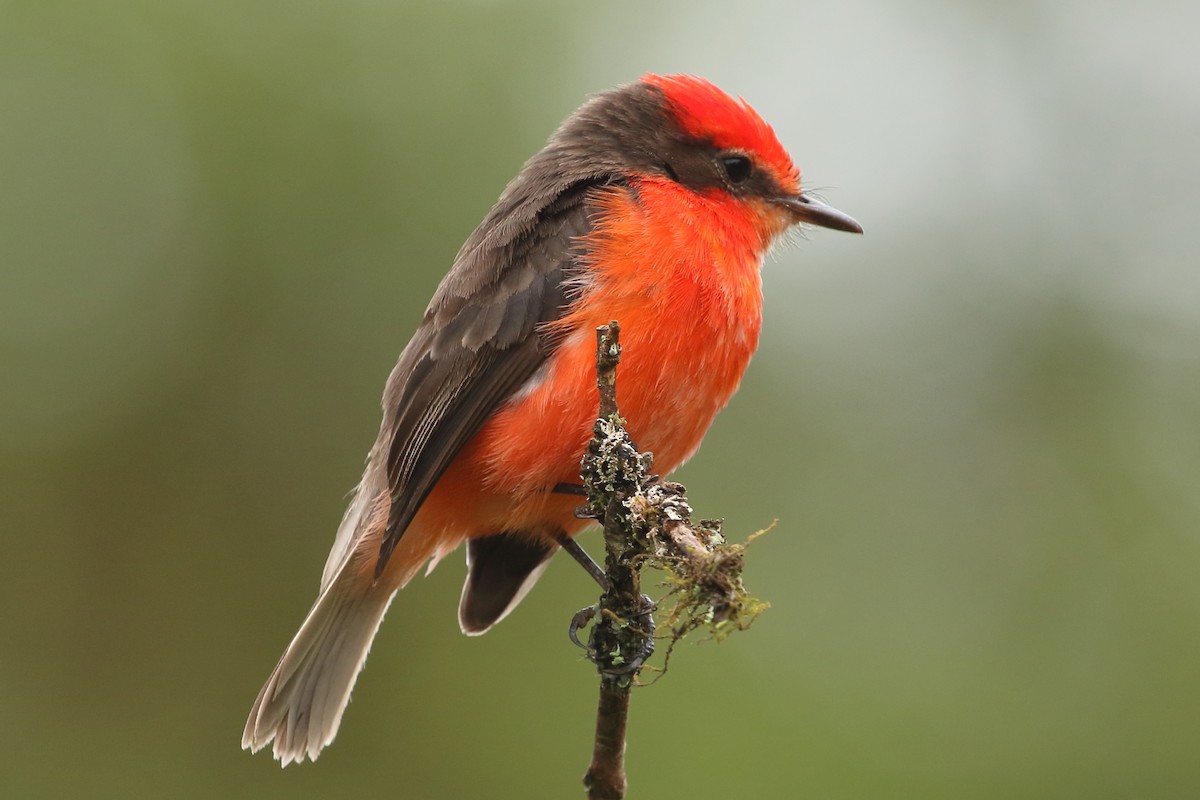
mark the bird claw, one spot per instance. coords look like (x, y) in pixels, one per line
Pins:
(585, 512)
(582, 617)
(633, 664)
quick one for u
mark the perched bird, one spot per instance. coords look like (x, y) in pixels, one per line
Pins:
(653, 204)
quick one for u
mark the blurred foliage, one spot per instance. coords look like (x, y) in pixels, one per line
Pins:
(977, 424)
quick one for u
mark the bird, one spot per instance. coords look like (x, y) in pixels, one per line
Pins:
(654, 204)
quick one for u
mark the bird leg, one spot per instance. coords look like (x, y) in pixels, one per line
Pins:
(585, 561)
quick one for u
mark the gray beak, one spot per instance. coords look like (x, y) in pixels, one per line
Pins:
(808, 209)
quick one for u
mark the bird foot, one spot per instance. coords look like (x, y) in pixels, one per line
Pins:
(642, 622)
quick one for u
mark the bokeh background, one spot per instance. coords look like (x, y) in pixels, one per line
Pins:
(978, 425)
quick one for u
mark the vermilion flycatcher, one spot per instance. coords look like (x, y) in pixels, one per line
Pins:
(652, 204)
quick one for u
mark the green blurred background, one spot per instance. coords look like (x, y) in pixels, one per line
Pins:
(978, 425)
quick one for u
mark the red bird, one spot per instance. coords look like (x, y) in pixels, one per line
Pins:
(653, 204)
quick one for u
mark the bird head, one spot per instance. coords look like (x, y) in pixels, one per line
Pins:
(723, 145)
(677, 128)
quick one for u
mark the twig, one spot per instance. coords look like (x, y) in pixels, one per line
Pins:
(646, 522)
(613, 471)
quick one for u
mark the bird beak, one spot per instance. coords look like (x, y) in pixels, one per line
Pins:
(806, 208)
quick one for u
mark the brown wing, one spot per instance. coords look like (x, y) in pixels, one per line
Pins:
(478, 343)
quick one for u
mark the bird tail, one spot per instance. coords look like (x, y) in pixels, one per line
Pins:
(301, 704)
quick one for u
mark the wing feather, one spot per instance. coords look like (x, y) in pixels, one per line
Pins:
(480, 341)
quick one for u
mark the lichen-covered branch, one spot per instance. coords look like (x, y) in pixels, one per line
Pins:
(612, 472)
(646, 523)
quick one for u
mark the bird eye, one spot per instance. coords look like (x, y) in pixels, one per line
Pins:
(737, 167)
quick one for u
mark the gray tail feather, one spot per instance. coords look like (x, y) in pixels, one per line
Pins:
(301, 704)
